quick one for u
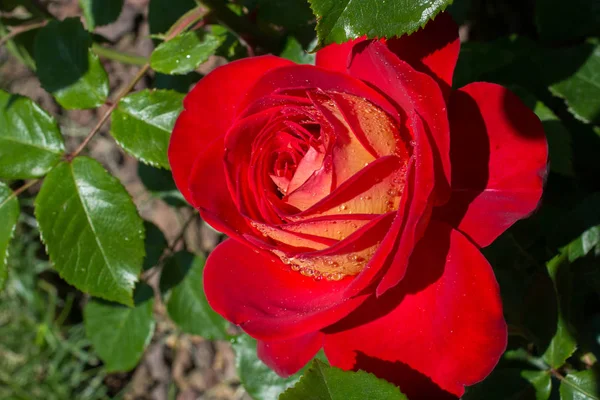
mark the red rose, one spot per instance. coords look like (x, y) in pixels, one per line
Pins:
(356, 194)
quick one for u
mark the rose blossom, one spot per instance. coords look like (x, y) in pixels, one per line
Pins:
(356, 194)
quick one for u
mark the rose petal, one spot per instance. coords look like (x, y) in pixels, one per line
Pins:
(499, 161)
(209, 193)
(433, 49)
(413, 92)
(310, 77)
(286, 357)
(270, 301)
(391, 260)
(209, 110)
(444, 320)
(336, 57)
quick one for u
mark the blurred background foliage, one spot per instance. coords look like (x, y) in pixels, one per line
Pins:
(548, 266)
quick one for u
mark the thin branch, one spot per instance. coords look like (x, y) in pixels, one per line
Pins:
(108, 112)
(115, 55)
(22, 29)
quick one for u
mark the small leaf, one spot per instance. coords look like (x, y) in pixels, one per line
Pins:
(9, 214)
(293, 51)
(30, 141)
(581, 386)
(142, 124)
(155, 244)
(91, 228)
(321, 382)
(581, 89)
(100, 12)
(512, 383)
(118, 333)
(260, 381)
(185, 52)
(67, 67)
(187, 305)
(588, 241)
(342, 20)
(563, 344)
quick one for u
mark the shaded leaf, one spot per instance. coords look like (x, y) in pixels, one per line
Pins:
(91, 228)
(321, 382)
(260, 381)
(30, 141)
(100, 12)
(160, 183)
(142, 124)
(185, 52)
(9, 214)
(581, 386)
(164, 13)
(67, 67)
(560, 20)
(559, 141)
(155, 244)
(118, 333)
(342, 20)
(564, 343)
(512, 383)
(187, 305)
(581, 90)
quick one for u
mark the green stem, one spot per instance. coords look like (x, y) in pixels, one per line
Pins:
(112, 54)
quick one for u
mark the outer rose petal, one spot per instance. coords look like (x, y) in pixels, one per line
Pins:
(499, 155)
(286, 357)
(444, 321)
(209, 110)
(270, 301)
(336, 57)
(433, 49)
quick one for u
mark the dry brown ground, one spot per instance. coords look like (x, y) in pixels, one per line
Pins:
(190, 366)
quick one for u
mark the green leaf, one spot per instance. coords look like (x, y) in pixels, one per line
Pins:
(581, 89)
(142, 124)
(67, 67)
(260, 381)
(512, 383)
(30, 141)
(100, 12)
(9, 214)
(293, 51)
(342, 20)
(563, 343)
(187, 305)
(560, 20)
(155, 244)
(581, 386)
(164, 13)
(321, 382)
(118, 333)
(588, 241)
(559, 141)
(185, 52)
(91, 228)
(160, 183)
